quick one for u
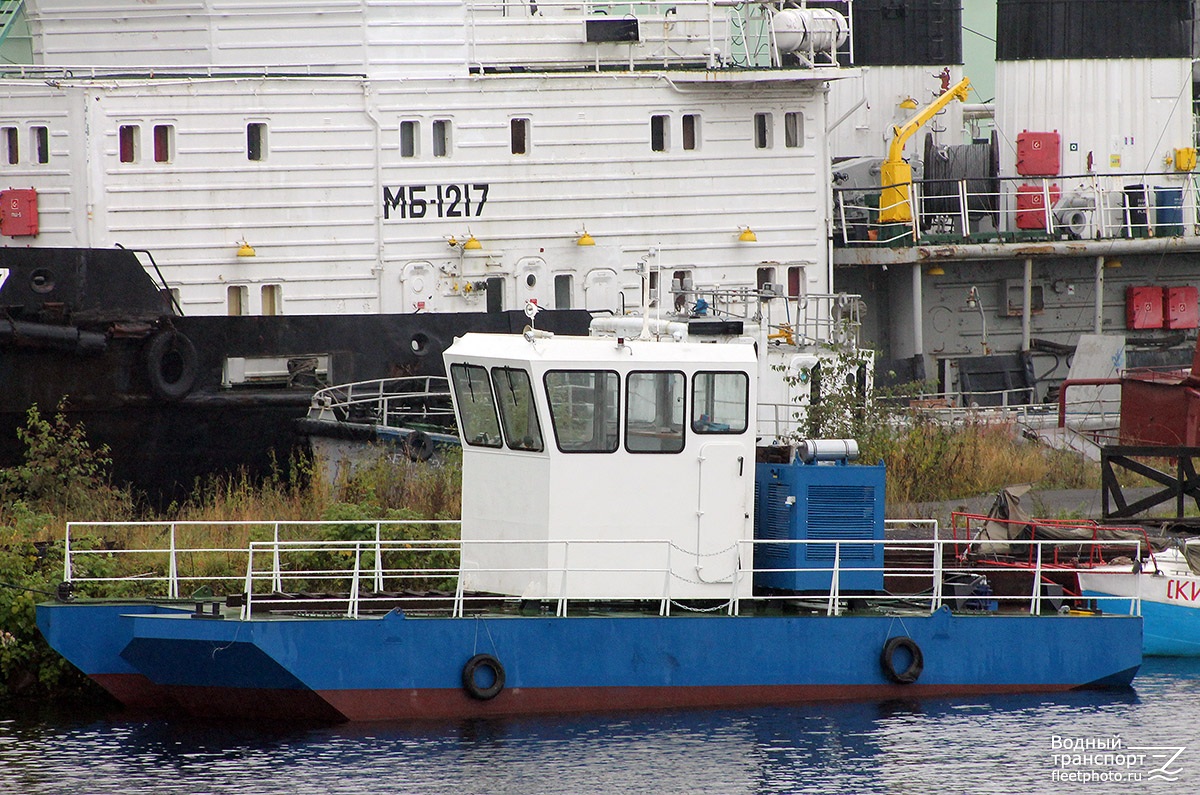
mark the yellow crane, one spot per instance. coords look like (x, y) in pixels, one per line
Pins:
(895, 173)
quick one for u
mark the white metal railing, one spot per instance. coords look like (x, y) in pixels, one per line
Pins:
(394, 402)
(917, 566)
(1074, 207)
(714, 33)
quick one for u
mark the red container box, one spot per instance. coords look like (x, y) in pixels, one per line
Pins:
(1144, 307)
(1183, 307)
(18, 212)
(1039, 154)
(1031, 205)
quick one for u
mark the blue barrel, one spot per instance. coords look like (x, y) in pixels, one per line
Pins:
(1168, 212)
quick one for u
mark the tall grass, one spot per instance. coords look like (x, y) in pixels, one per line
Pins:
(929, 461)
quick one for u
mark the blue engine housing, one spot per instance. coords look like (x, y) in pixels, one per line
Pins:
(832, 501)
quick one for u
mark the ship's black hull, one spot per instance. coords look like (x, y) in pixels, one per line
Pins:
(103, 355)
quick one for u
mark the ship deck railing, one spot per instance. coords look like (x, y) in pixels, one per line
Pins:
(394, 402)
(1082, 207)
(379, 572)
(1066, 542)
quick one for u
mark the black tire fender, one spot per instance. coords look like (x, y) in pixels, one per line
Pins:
(418, 446)
(472, 686)
(887, 660)
(171, 365)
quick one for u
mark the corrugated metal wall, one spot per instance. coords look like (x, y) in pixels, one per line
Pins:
(905, 32)
(1069, 29)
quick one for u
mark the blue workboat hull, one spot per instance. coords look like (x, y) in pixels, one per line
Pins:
(400, 667)
(1169, 630)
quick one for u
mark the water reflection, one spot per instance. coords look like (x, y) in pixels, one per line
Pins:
(964, 745)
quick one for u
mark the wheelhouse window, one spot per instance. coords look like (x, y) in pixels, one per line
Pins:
(476, 409)
(41, 144)
(584, 407)
(518, 413)
(654, 411)
(720, 402)
(127, 142)
(256, 141)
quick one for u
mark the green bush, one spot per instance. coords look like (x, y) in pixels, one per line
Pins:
(62, 474)
(29, 573)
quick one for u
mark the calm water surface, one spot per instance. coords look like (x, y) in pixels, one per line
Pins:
(975, 745)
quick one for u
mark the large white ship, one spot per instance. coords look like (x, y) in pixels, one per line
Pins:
(371, 156)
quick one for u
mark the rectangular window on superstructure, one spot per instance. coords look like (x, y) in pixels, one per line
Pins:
(127, 142)
(793, 130)
(720, 402)
(691, 131)
(795, 281)
(764, 278)
(270, 299)
(409, 132)
(660, 133)
(164, 143)
(235, 296)
(41, 144)
(256, 141)
(562, 291)
(11, 146)
(441, 137)
(519, 132)
(654, 410)
(518, 411)
(583, 409)
(762, 131)
(476, 408)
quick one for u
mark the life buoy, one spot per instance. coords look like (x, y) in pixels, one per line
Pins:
(488, 663)
(915, 666)
(171, 365)
(418, 446)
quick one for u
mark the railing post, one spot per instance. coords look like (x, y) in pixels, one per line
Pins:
(1035, 601)
(963, 215)
(378, 559)
(914, 214)
(276, 574)
(835, 581)
(938, 554)
(737, 578)
(664, 609)
(1135, 605)
(457, 610)
(67, 554)
(173, 573)
(249, 582)
(352, 605)
(561, 610)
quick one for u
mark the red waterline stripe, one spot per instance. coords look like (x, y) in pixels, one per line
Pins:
(365, 705)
